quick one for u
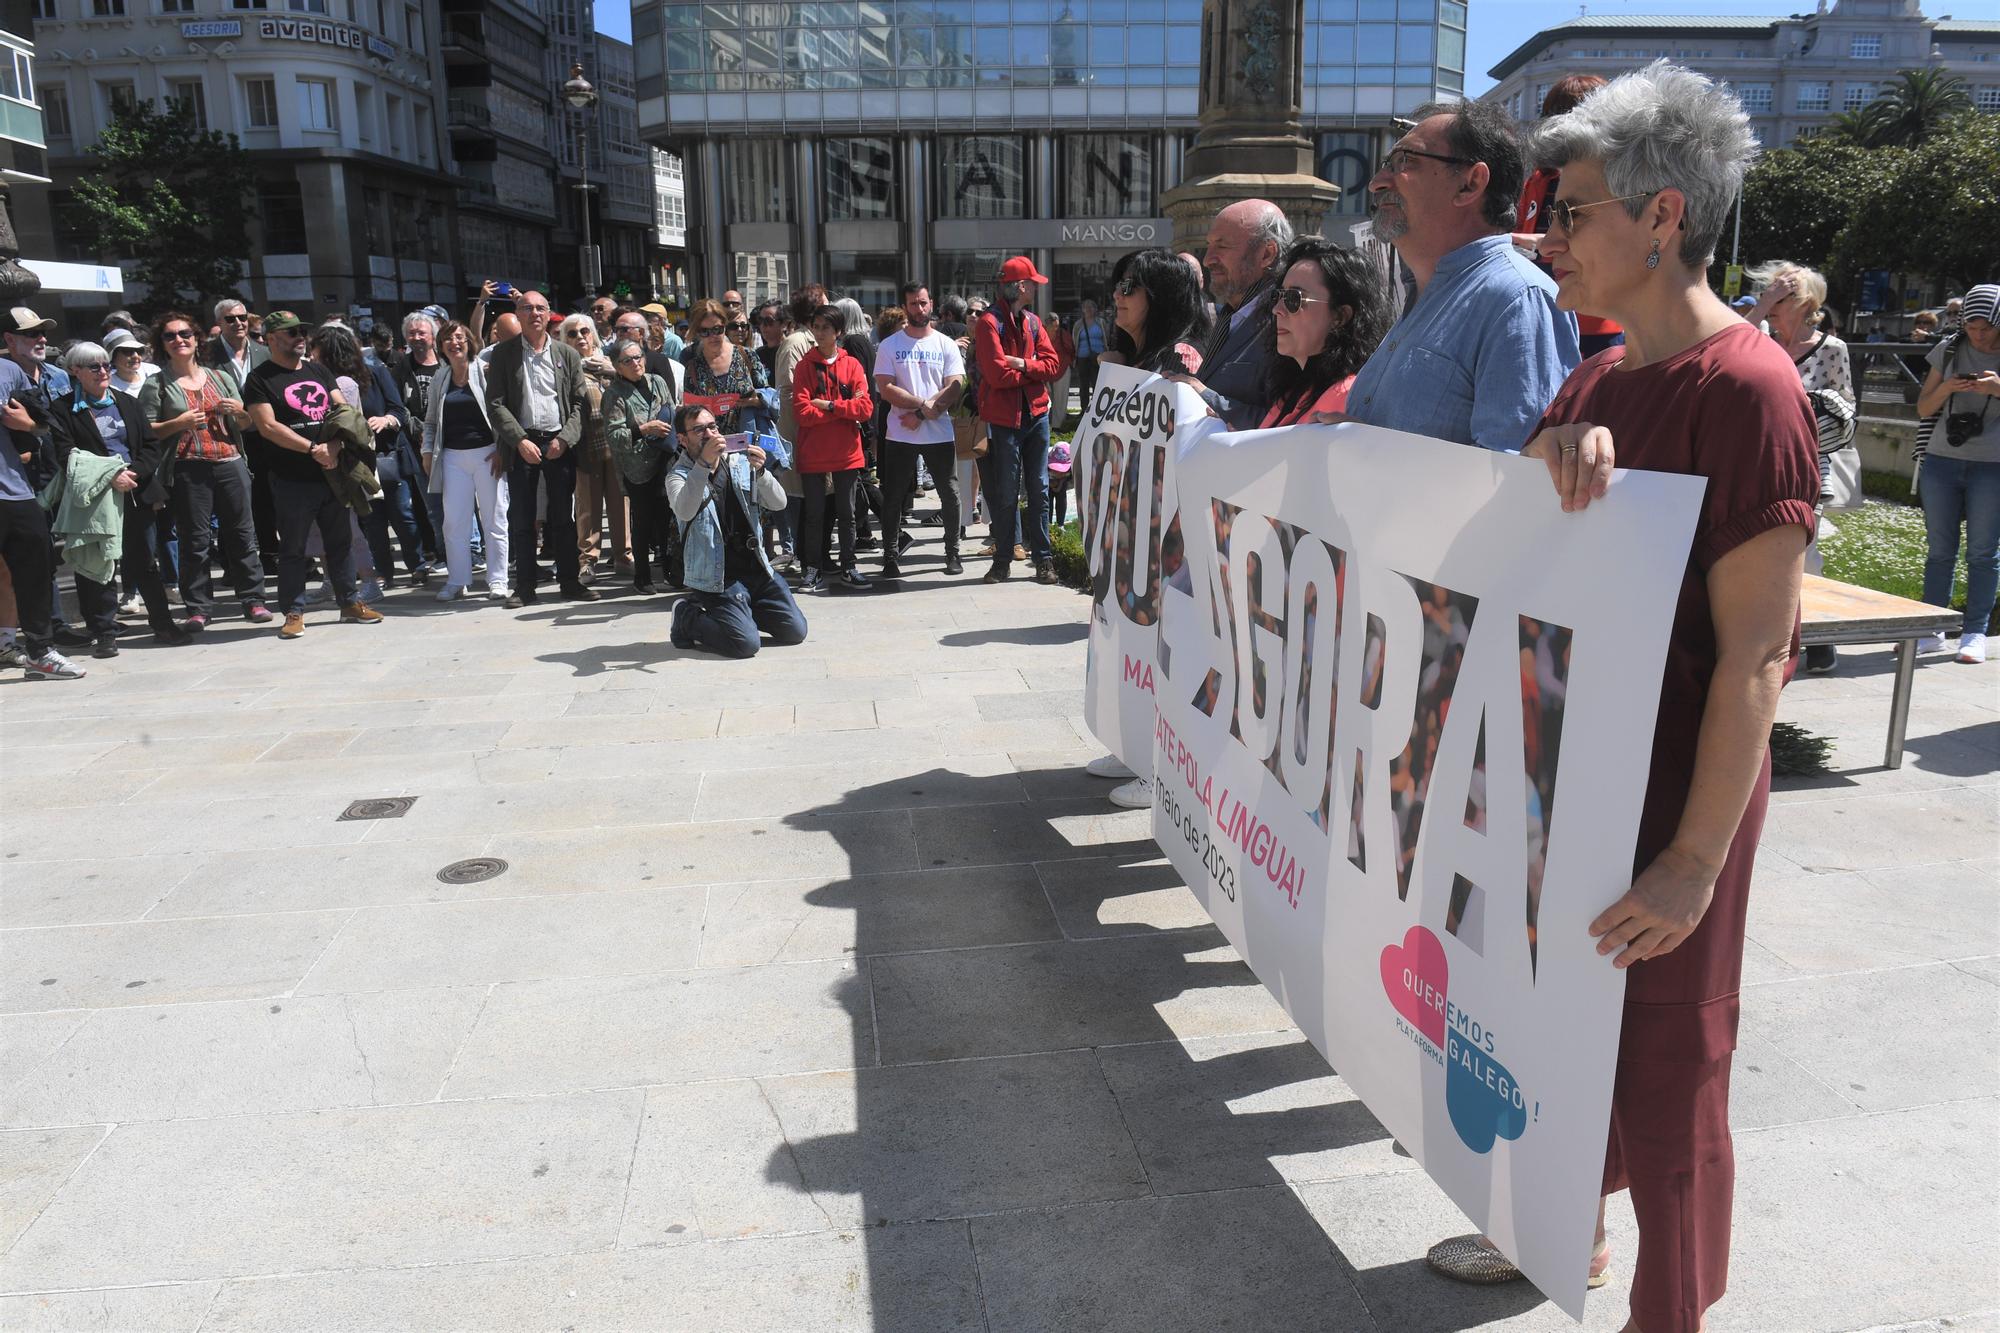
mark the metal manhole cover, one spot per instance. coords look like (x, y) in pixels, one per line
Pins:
(382, 807)
(472, 871)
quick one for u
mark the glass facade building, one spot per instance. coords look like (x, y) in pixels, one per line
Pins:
(864, 142)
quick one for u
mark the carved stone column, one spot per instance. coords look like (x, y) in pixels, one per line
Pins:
(18, 285)
(1250, 144)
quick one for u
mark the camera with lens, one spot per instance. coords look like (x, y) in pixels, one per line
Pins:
(1960, 427)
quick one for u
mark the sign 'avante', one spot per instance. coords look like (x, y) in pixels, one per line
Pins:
(1401, 707)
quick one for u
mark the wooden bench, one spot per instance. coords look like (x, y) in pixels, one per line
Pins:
(1835, 613)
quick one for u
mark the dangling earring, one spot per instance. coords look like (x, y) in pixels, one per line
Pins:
(1653, 259)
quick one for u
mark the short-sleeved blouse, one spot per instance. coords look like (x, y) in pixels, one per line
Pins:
(1827, 366)
(1730, 409)
(744, 377)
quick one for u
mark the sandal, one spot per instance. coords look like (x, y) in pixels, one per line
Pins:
(1467, 1259)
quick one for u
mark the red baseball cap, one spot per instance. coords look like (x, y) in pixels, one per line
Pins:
(1020, 269)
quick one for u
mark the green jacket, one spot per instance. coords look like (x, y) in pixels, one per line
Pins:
(89, 514)
(161, 398)
(628, 405)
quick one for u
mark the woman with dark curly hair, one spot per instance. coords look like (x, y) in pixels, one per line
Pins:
(1160, 324)
(1331, 310)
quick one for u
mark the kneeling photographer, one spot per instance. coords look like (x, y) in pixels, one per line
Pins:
(718, 490)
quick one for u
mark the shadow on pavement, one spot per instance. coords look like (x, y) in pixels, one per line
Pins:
(1026, 1087)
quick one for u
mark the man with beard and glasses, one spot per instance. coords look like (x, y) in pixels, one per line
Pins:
(1479, 355)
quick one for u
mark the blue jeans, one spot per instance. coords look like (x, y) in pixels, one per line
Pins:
(1017, 464)
(1956, 491)
(729, 622)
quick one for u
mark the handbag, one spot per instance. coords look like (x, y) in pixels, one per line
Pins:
(1843, 480)
(968, 437)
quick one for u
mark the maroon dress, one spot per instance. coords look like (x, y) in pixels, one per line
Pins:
(1730, 409)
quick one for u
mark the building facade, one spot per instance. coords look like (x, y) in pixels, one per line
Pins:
(1794, 74)
(501, 80)
(342, 115)
(860, 143)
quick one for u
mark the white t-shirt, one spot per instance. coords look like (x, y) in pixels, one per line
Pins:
(921, 366)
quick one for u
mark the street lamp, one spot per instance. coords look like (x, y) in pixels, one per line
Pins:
(579, 94)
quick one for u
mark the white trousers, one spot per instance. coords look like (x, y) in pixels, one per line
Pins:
(468, 478)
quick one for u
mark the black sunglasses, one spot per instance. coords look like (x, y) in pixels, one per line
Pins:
(1294, 299)
(1127, 287)
(1398, 160)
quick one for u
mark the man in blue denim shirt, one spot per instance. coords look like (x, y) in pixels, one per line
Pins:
(1480, 354)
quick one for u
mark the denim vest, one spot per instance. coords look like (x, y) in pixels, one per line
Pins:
(701, 536)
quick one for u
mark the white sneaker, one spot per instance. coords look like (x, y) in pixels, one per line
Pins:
(496, 594)
(1972, 648)
(52, 665)
(132, 606)
(1108, 766)
(1134, 795)
(1931, 643)
(450, 592)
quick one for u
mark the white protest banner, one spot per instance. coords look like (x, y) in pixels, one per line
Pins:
(1122, 459)
(1404, 714)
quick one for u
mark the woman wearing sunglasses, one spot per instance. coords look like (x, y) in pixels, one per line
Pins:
(720, 372)
(598, 489)
(1330, 311)
(1159, 325)
(1650, 166)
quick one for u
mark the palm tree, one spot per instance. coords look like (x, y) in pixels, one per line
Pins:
(1859, 127)
(1914, 104)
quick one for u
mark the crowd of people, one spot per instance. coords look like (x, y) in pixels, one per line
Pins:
(1563, 313)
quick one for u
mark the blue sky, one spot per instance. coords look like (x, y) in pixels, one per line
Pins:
(1498, 26)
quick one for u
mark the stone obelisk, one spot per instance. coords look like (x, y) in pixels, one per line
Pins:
(1250, 145)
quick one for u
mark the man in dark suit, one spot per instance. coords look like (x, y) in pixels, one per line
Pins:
(233, 348)
(1245, 244)
(534, 392)
(94, 419)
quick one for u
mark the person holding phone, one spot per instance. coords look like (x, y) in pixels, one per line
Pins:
(719, 496)
(1960, 480)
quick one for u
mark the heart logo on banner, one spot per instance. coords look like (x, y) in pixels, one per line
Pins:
(1415, 975)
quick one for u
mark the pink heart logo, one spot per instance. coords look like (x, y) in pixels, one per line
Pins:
(1415, 974)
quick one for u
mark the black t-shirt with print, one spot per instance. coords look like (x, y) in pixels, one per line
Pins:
(299, 399)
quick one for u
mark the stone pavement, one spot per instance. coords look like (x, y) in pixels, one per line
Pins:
(824, 992)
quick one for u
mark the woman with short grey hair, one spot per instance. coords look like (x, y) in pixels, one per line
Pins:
(1650, 166)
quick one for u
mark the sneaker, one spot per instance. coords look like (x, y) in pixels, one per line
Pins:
(371, 591)
(866, 543)
(295, 625)
(1972, 649)
(132, 606)
(890, 568)
(478, 563)
(1045, 572)
(576, 592)
(450, 592)
(173, 636)
(952, 564)
(853, 578)
(1109, 766)
(69, 637)
(1931, 643)
(904, 541)
(106, 646)
(1134, 795)
(198, 622)
(256, 613)
(497, 593)
(516, 600)
(1000, 572)
(809, 581)
(359, 613)
(52, 665)
(12, 654)
(421, 575)
(680, 632)
(1821, 659)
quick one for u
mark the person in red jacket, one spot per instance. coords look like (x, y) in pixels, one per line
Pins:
(830, 400)
(1016, 360)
